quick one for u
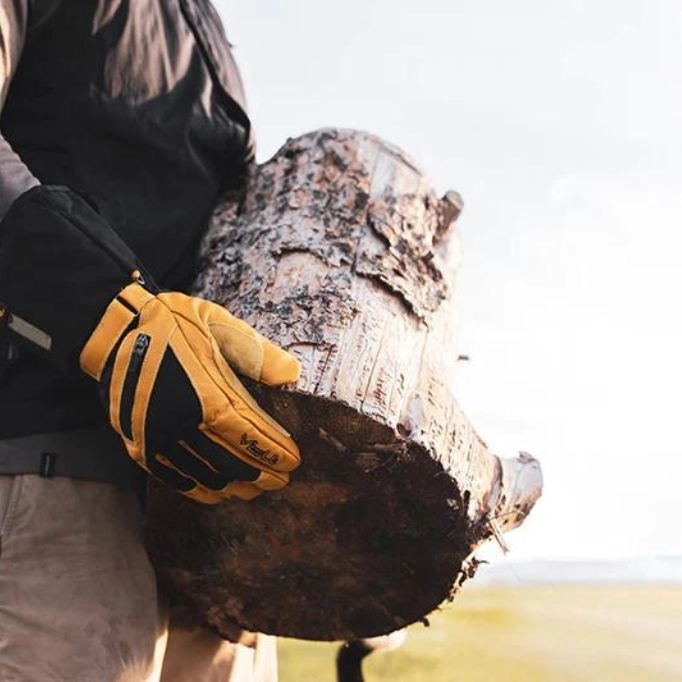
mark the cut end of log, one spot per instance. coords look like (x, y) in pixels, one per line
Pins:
(365, 539)
(370, 535)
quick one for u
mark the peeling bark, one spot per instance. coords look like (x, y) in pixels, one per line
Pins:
(341, 251)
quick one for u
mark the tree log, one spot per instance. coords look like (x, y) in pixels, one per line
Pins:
(341, 251)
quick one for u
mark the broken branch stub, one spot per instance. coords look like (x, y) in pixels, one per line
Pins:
(341, 252)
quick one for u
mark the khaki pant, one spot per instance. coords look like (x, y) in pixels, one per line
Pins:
(78, 597)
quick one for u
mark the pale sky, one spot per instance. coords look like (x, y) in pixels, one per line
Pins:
(560, 125)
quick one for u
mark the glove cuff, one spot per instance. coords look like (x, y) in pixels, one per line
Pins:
(117, 319)
(61, 263)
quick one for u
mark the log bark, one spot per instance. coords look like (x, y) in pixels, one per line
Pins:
(341, 251)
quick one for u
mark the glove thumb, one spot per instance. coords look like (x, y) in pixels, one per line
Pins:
(253, 355)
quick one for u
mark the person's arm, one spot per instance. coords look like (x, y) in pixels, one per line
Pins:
(71, 289)
(52, 243)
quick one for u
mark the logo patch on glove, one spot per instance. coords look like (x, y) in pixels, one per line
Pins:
(251, 446)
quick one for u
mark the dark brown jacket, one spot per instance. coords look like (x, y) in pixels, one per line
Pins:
(130, 115)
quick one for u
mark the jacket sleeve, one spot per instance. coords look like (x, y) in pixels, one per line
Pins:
(61, 263)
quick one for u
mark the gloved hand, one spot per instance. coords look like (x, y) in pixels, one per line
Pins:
(165, 363)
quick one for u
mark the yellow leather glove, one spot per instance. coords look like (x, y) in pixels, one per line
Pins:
(165, 363)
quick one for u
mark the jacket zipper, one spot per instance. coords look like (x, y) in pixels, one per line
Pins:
(130, 383)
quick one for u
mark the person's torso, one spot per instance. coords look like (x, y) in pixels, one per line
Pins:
(134, 103)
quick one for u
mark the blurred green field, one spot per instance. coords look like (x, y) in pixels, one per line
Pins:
(563, 633)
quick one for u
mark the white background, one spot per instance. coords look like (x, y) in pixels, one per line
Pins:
(560, 125)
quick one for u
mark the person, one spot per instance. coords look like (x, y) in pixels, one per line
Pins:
(122, 124)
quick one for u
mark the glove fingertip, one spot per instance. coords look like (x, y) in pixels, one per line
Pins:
(241, 490)
(279, 366)
(204, 496)
(294, 456)
(270, 481)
